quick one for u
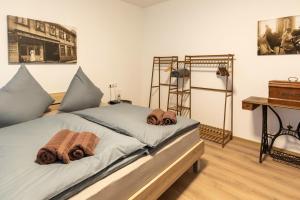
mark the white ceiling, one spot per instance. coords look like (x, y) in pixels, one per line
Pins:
(144, 3)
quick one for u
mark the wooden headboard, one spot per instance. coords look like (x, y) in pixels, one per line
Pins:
(58, 97)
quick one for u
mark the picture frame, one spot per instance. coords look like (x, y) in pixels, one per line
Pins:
(280, 36)
(37, 41)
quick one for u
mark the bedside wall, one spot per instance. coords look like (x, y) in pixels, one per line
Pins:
(117, 41)
(192, 27)
(108, 36)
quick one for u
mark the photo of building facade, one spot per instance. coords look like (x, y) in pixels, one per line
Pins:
(34, 41)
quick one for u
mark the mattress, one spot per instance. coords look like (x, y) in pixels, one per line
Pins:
(125, 182)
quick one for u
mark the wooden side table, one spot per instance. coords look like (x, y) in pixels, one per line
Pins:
(268, 139)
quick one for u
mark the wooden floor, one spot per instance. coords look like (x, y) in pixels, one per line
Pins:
(234, 173)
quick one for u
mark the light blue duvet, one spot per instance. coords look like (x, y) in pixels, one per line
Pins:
(132, 120)
(22, 178)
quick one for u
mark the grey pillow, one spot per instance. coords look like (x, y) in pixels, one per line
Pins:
(22, 99)
(81, 94)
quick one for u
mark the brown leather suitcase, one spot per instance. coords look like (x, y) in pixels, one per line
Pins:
(284, 92)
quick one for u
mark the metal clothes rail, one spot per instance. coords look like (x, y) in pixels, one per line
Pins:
(223, 66)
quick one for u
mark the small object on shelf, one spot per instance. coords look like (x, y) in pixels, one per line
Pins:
(180, 73)
(114, 85)
(222, 71)
(113, 102)
(118, 97)
(284, 92)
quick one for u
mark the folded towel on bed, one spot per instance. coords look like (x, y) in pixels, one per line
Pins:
(169, 118)
(57, 148)
(155, 117)
(83, 145)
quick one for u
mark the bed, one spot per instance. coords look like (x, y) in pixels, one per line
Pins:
(150, 175)
(139, 176)
(155, 173)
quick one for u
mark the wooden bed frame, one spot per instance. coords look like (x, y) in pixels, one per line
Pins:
(159, 184)
(58, 97)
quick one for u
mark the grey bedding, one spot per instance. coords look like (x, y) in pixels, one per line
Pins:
(100, 175)
(131, 120)
(180, 73)
(22, 178)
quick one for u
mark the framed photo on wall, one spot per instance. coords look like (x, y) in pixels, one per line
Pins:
(36, 41)
(279, 36)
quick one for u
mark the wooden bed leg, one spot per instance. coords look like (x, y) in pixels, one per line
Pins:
(197, 166)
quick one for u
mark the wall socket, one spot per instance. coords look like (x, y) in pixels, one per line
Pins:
(113, 85)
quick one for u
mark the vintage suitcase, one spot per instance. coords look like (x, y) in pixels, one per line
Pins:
(284, 92)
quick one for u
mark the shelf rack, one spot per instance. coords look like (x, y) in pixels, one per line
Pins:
(159, 64)
(179, 89)
(216, 62)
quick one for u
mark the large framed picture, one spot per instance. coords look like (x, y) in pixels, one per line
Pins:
(36, 41)
(279, 36)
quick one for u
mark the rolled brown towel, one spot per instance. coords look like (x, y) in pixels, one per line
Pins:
(46, 155)
(155, 117)
(169, 118)
(83, 145)
(57, 148)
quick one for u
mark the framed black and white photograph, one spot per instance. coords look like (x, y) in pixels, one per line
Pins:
(279, 36)
(36, 41)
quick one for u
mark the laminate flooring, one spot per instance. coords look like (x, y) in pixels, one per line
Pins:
(235, 173)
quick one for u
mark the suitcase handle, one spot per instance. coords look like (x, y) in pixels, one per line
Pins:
(293, 79)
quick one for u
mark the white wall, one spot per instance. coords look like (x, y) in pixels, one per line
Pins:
(117, 41)
(108, 36)
(191, 27)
